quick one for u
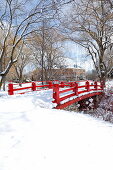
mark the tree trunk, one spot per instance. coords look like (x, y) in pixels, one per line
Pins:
(2, 81)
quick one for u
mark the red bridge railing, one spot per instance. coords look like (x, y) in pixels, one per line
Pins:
(21, 88)
(75, 93)
(64, 93)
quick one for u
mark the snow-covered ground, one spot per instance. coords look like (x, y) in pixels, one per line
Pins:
(109, 84)
(33, 136)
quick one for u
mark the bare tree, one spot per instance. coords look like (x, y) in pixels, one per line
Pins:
(23, 60)
(47, 51)
(89, 23)
(16, 23)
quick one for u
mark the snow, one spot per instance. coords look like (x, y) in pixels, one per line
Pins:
(33, 136)
(109, 84)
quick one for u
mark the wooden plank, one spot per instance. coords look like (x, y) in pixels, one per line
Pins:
(66, 97)
(66, 90)
(21, 88)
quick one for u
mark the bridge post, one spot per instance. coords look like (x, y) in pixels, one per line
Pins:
(56, 94)
(33, 86)
(75, 89)
(50, 85)
(71, 84)
(95, 85)
(10, 89)
(62, 84)
(87, 86)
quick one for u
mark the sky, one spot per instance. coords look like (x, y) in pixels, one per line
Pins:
(77, 56)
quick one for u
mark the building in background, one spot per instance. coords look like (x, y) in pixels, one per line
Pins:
(62, 74)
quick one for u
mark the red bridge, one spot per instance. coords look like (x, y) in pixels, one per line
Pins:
(64, 93)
